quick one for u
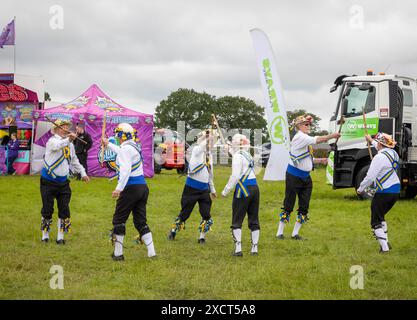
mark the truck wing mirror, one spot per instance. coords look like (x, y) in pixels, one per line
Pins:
(345, 106)
(333, 89)
(347, 92)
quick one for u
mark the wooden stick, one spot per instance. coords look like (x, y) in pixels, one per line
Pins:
(342, 121)
(214, 119)
(103, 135)
(66, 131)
(366, 133)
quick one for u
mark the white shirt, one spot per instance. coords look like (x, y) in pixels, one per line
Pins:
(240, 165)
(380, 165)
(127, 155)
(54, 149)
(198, 156)
(299, 145)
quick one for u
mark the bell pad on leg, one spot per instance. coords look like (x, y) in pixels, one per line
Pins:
(46, 224)
(65, 225)
(205, 225)
(178, 224)
(285, 216)
(302, 218)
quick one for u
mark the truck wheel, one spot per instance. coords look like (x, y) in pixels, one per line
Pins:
(157, 168)
(359, 178)
(410, 192)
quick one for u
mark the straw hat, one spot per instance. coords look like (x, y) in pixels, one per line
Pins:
(385, 139)
(301, 120)
(59, 123)
(63, 122)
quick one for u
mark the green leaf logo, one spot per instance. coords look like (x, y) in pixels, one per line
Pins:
(277, 130)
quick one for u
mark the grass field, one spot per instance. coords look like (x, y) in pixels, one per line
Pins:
(338, 235)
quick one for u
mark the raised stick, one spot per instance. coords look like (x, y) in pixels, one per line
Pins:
(366, 133)
(66, 131)
(342, 121)
(103, 134)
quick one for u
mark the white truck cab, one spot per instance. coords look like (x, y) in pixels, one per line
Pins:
(388, 103)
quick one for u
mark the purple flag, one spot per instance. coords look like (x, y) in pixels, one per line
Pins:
(7, 36)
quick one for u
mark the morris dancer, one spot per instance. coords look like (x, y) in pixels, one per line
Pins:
(297, 179)
(246, 197)
(59, 156)
(131, 191)
(383, 171)
(199, 186)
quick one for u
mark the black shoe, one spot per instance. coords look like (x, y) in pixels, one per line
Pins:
(280, 237)
(237, 254)
(382, 251)
(171, 236)
(46, 240)
(202, 241)
(61, 242)
(118, 258)
(297, 237)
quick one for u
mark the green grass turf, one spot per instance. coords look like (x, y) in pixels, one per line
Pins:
(338, 235)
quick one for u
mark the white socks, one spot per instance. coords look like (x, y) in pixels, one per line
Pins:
(280, 228)
(60, 235)
(45, 235)
(380, 234)
(297, 227)
(385, 228)
(118, 245)
(147, 240)
(237, 235)
(202, 235)
(255, 240)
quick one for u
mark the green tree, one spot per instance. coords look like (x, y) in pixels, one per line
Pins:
(194, 108)
(315, 128)
(240, 113)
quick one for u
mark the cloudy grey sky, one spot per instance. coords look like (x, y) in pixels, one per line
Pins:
(140, 51)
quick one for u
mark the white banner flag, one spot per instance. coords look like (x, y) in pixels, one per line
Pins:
(275, 107)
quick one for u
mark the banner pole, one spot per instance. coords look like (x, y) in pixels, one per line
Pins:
(31, 148)
(14, 49)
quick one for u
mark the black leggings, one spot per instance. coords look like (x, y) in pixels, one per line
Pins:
(190, 196)
(50, 191)
(248, 205)
(296, 186)
(132, 199)
(381, 204)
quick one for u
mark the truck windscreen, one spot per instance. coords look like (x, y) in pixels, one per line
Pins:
(359, 99)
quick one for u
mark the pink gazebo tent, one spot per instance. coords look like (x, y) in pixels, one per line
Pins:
(89, 108)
